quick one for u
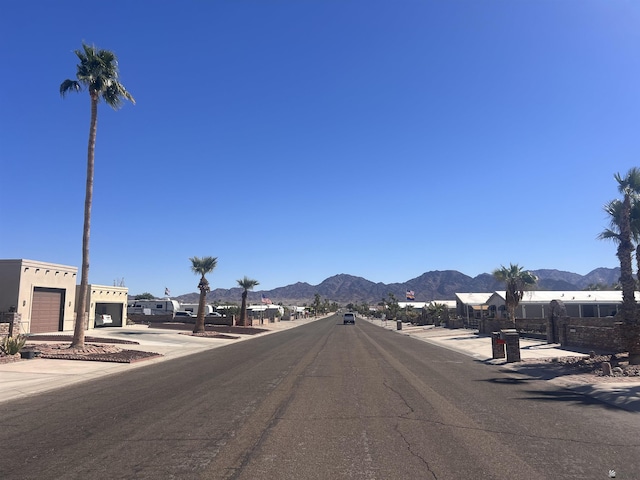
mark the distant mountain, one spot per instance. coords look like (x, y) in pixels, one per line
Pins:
(435, 285)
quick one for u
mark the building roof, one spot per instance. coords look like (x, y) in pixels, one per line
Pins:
(412, 304)
(448, 303)
(568, 296)
(473, 298)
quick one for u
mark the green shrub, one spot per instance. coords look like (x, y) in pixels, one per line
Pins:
(12, 345)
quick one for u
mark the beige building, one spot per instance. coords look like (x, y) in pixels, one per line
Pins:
(107, 306)
(44, 296)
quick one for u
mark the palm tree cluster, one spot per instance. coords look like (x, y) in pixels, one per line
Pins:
(624, 230)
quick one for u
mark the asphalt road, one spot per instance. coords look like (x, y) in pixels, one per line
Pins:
(320, 401)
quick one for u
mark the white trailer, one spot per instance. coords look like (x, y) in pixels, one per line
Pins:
(153, 307)
(193, 308)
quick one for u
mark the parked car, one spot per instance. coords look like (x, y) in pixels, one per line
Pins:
(184, 315)
(214, 314)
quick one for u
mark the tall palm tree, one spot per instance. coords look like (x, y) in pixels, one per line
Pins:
(202, 266)
(516, 281)
(618, 218)
(246, 284)
(625, 228)
(98, 73)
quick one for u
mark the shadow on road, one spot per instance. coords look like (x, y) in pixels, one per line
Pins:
(567, 396)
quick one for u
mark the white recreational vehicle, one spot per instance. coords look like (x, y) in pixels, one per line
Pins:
(193, 308)
(153, 307)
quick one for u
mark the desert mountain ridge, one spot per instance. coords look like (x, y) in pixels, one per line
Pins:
(434, 285)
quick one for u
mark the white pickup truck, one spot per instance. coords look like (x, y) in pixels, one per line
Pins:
(349, 318)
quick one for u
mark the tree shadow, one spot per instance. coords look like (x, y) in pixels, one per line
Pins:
(539, 371)
(566, 396)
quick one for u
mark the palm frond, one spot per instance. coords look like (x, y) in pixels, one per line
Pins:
(247, 283)
(69, 85)
(609, 234)
(203, 265)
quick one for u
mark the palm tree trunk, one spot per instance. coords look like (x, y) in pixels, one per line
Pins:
(629, 306)
(243, 310)
(624, 253)
(511, 304)
(81, 304)
(199, 325)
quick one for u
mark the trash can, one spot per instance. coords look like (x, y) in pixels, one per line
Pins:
(497, 345)
(399, 324)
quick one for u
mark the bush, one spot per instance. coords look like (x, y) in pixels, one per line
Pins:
(12, 345)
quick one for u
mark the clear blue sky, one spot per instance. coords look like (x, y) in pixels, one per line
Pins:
(295, 140)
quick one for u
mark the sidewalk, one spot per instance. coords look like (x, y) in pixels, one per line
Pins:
(622, 394)
(28, 377)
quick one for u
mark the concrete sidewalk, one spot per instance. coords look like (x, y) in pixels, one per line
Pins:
(622, 394)
(28, 377)
(477, 346)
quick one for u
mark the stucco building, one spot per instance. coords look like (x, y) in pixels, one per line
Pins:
(44, 297)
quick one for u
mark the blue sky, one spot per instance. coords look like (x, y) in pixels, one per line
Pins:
(295, 140)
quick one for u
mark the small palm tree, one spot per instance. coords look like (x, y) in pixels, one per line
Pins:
(436, 311)
(246, 284)
(98, 73)
(202, 266)
(516, 281)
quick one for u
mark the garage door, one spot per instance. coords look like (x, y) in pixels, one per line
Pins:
(46, 311)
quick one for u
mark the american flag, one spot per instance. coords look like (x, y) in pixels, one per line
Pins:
(411, 295)
(167, 293)
(265, 300)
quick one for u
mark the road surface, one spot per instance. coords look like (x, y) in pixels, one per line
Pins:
(320, 401)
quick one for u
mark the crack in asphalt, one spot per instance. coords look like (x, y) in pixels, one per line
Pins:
(411, 411)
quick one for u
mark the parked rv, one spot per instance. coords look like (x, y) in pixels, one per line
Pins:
(153, 307)
(193, 308)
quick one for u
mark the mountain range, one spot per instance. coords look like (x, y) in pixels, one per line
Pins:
(434, 285)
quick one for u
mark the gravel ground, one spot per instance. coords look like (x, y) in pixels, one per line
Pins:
(588, 369)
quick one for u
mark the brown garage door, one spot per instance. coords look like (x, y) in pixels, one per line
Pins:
(46, 312)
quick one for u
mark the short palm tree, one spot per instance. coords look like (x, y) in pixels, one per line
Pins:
(516, 281)
(98, 73)
(436, 312)
(202, 266)
(246, 284)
